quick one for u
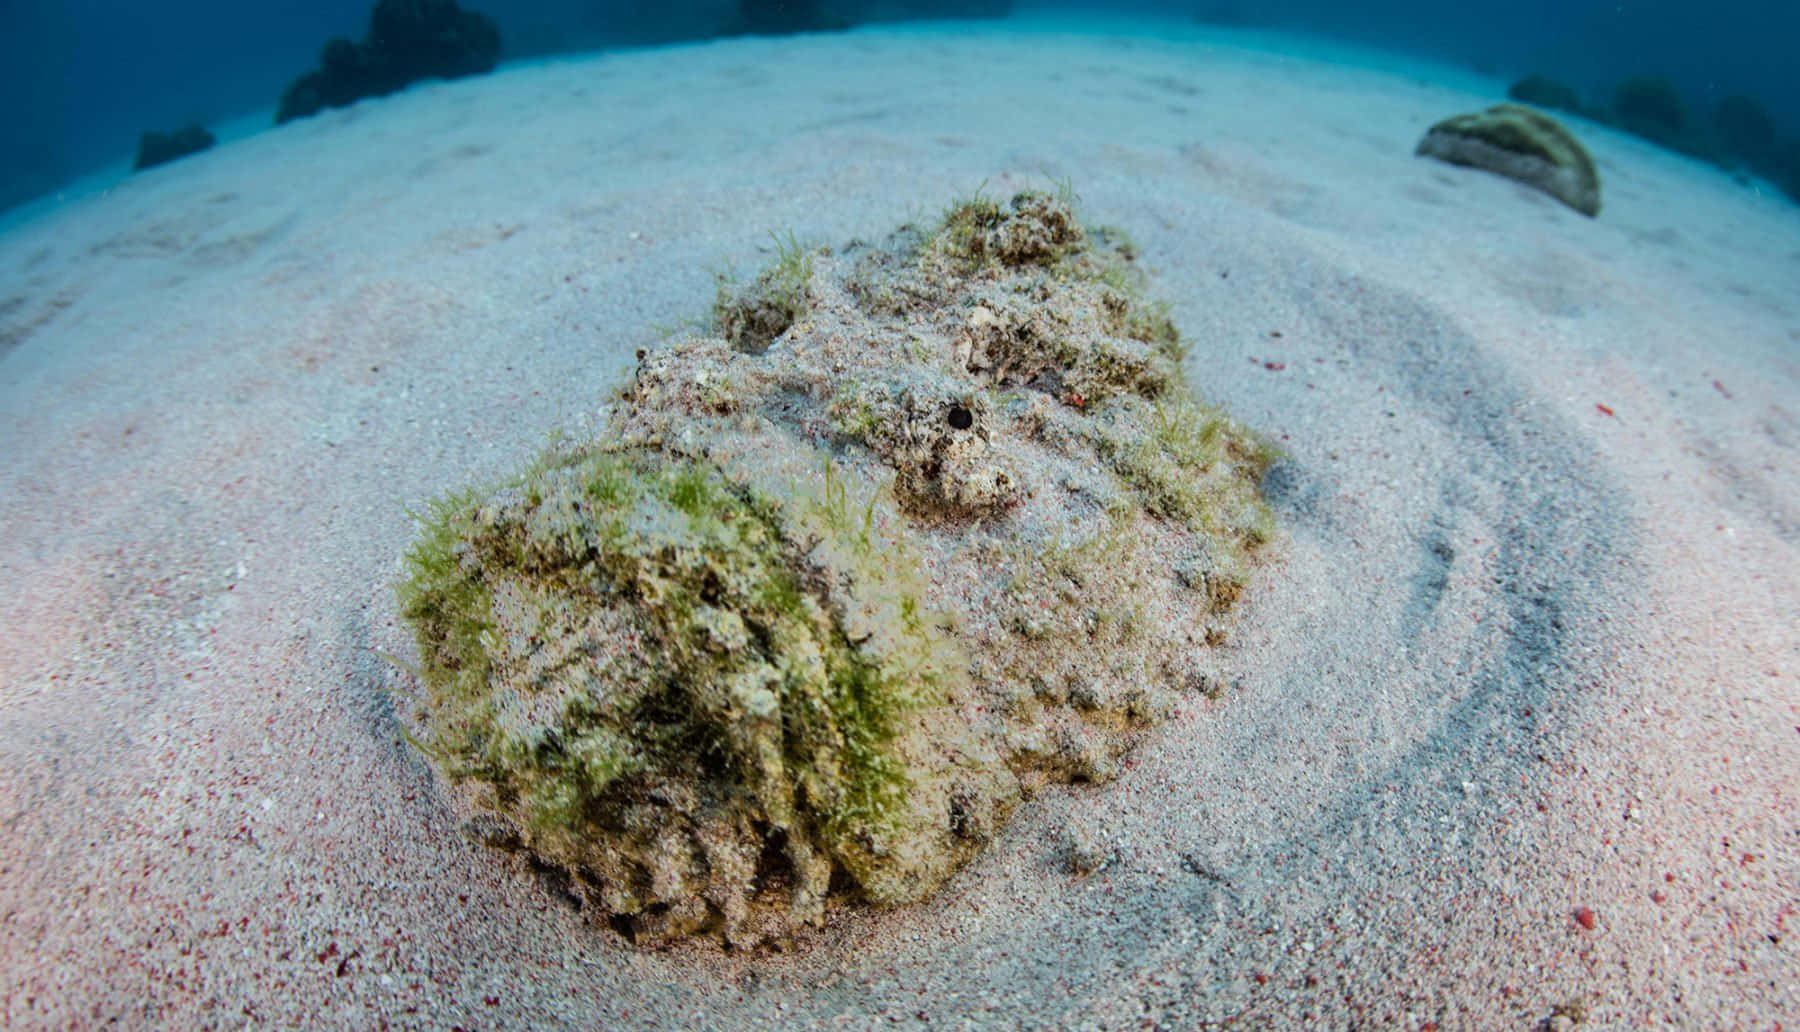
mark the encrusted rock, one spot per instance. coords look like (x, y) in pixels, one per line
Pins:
(834, 590)
(1522, 144)
(1545, 92)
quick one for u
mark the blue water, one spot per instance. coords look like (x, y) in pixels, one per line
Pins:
(88, 76)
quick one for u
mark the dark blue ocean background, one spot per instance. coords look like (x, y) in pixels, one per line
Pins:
(86, 77)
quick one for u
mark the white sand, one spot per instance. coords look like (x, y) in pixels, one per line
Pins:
(1517, 655)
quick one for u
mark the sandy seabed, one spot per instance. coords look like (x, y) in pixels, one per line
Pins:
(1515, 729)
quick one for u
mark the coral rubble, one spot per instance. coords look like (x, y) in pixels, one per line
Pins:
(920, 528)
(1652, 107)
(157, 148)
(408, 40)
(1745, 131)
(1545, 92)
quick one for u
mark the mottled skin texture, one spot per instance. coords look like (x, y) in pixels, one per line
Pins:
(841, 585)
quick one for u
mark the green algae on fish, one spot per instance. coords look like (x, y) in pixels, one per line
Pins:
(935, 524)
